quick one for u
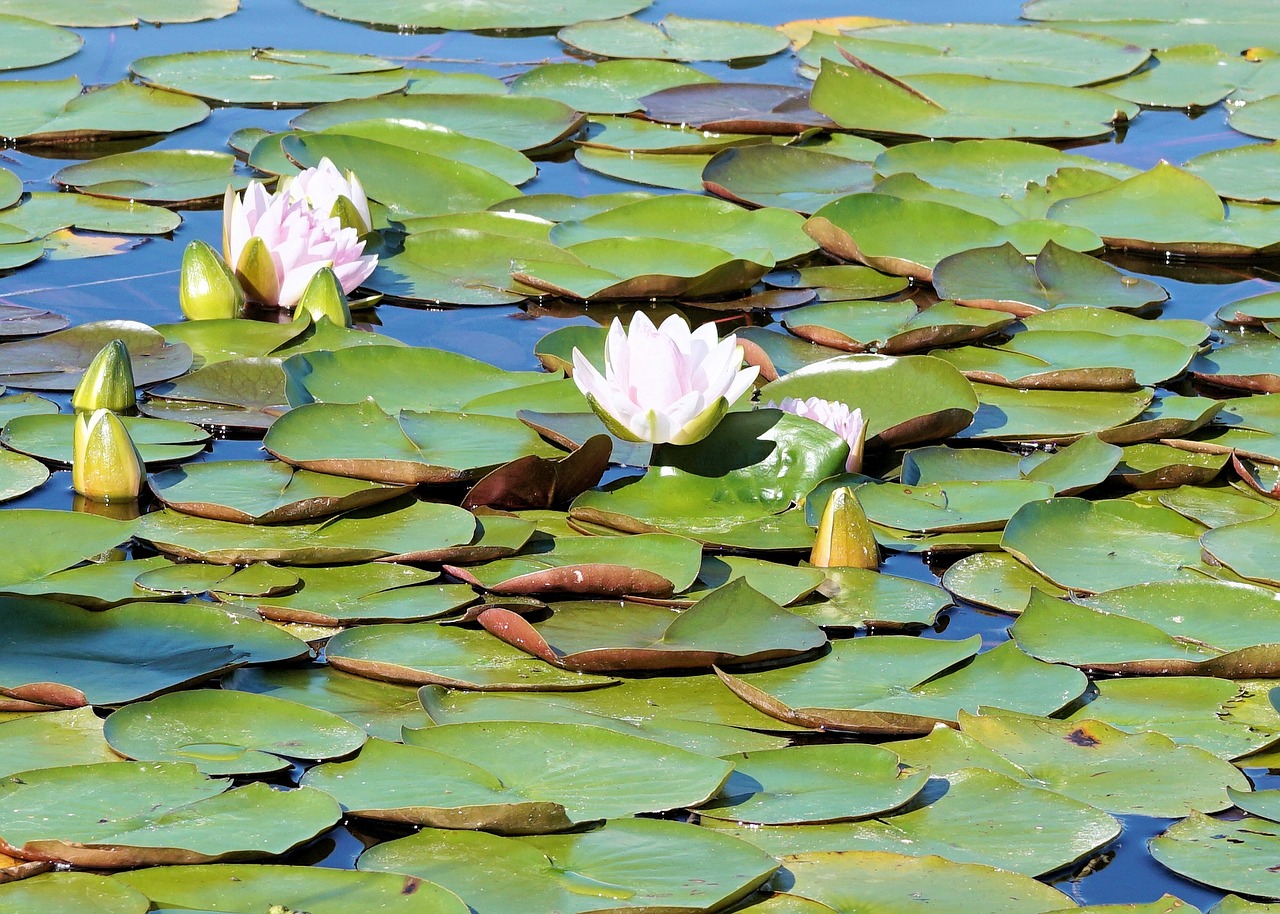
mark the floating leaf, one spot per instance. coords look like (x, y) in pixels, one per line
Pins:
(857, 598)
(469, 15)
(378, 592)
(31, 43)
(1250, 548)
(674, 38)
(58, 360)
(57, 112)
(608, 86)
(68, 538)
(51, 438)
(19, 475)
(1232, 855)
(53, 892)
(51, 740)
(1010, 414)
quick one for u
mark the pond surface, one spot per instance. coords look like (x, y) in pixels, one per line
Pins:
(142, 283)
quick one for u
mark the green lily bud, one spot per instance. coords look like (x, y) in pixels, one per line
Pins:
(349, 215)
(324, 297)
(844, 538)
(107, 382)
(105, 465)
(257, 271)
(208, 289)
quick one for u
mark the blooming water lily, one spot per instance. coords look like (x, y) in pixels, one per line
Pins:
(331, 193)
(664, 384)
(845, 422)
(276, 244)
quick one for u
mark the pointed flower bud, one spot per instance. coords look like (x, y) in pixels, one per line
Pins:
(208, 290)
(107, 382)
(105, 465)
(666, 384)
(844, 538)
(324, 297)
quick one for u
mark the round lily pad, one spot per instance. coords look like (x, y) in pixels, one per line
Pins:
(69, 538)
(32, 43)
(859, 597)
(176, 177)
(1012, 414)
(1230, 855)
(18, 320)
(52, 892)
(51, 740)
(109, 13)
(608, 86)
(467, 15)
(674, 38)
(1248, 548)
(57, 361)
(50, 438)
(433, 139)
(229, 732)
(55, 113)
(20, 474)
(270, 76)
(949, 507)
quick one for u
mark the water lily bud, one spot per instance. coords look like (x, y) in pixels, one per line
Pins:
(324, 297)
(349, 214)
(257, 272)
(208, 289)
(105, 465)
(107, 382)
(666, 384)
(844, 538)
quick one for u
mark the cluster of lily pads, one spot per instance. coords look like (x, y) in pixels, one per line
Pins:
(542, 650)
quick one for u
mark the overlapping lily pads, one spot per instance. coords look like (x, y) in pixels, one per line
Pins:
(58, 360)
(57, 112)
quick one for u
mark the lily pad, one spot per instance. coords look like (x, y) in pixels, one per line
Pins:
(122, 12)
(361, 441)
(132, 652)
(239, 393)
(377, 592)
(19, 320)
(57, 361)
(1250, 548)
(998, 581)
(898, 685)
(426, 653)
(1010, 414)
(891, 327)
(1239, 173)
(735, 624)
(1259, 118)
(1230, 855)
(44, 213)
(97, 584)
(943, 105)
(56, 891)
(1246, 362)
(736, 107)
(20, 474)
(674, 38)
(949, 507)
(627, 864)
(859, 598)
(443, 778)
(905, 400)
(51, 740)
(57, 112)
(469, 15)
(170, 177)
(678, 171)
(229, 732)
(32, 43)
(608, 86)
(51, 438)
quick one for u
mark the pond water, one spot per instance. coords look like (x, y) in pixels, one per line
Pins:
(142, 284)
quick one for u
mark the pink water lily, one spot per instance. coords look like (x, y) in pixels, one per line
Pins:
(845, 422)
(276, 245)
(665, 384)
(331, 193)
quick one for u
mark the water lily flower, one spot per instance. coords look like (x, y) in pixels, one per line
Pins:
(845, 538)
(276, 245)
(107, 382)
(208, 290)
(331, 193)
(837, 416)
(664, 384)
(105, 465)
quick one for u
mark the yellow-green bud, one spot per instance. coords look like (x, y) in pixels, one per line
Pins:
(208, 290)
(105, 465)
(346, 212)
(107, 382)
(257, 272)
(324, 297)
(845, 539)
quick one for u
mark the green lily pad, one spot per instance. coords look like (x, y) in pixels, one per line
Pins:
(1227, 719)
(361, 441)
(1001, 52)
(229, 732)
(170, 177)
(58, 112)
(240, 393)
(1250, 548)
(904, 400)
(911, 237)
(122, 12)
(997, 581)
(813, 784)
(468, 15)
(736, 624)
(674, 38)
(225, 582)
(1239, 173)
(51, 438)
(784, 584)
(858, 598)
(740, 107)
(378, 592)
(426, 653)
(44, 213)
(131, 652)
(53, 892)
(955, 507)
(1216, 507)
(1259, 118)
(789, 177)
(1246, 362)
(1130, 630)
(447, 706)
(122, 814)
(1010, 414)
(95, 585)
(895, 883)
(891, 327)
(1232, 855)
(899, 685)
(438, 779)
(989, 168)
(679, 171)
(222, 340)
(318, 890)
(32, 43)
(628, 865)
(68, 539)
(349, 376)
(522, 122)
(58, 361)
(1191, 76)
(943, 105)
(379, 708)
(1170, 211)
(1097, 546)
(19, 320)
(51, 740)
(432, 139)
(839, 282)
(1108, 768)
(1158, 466)
(608, 86)
(20, 474)
(651, 564)
(744, 468)
(1001, 278)
(269, 76)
